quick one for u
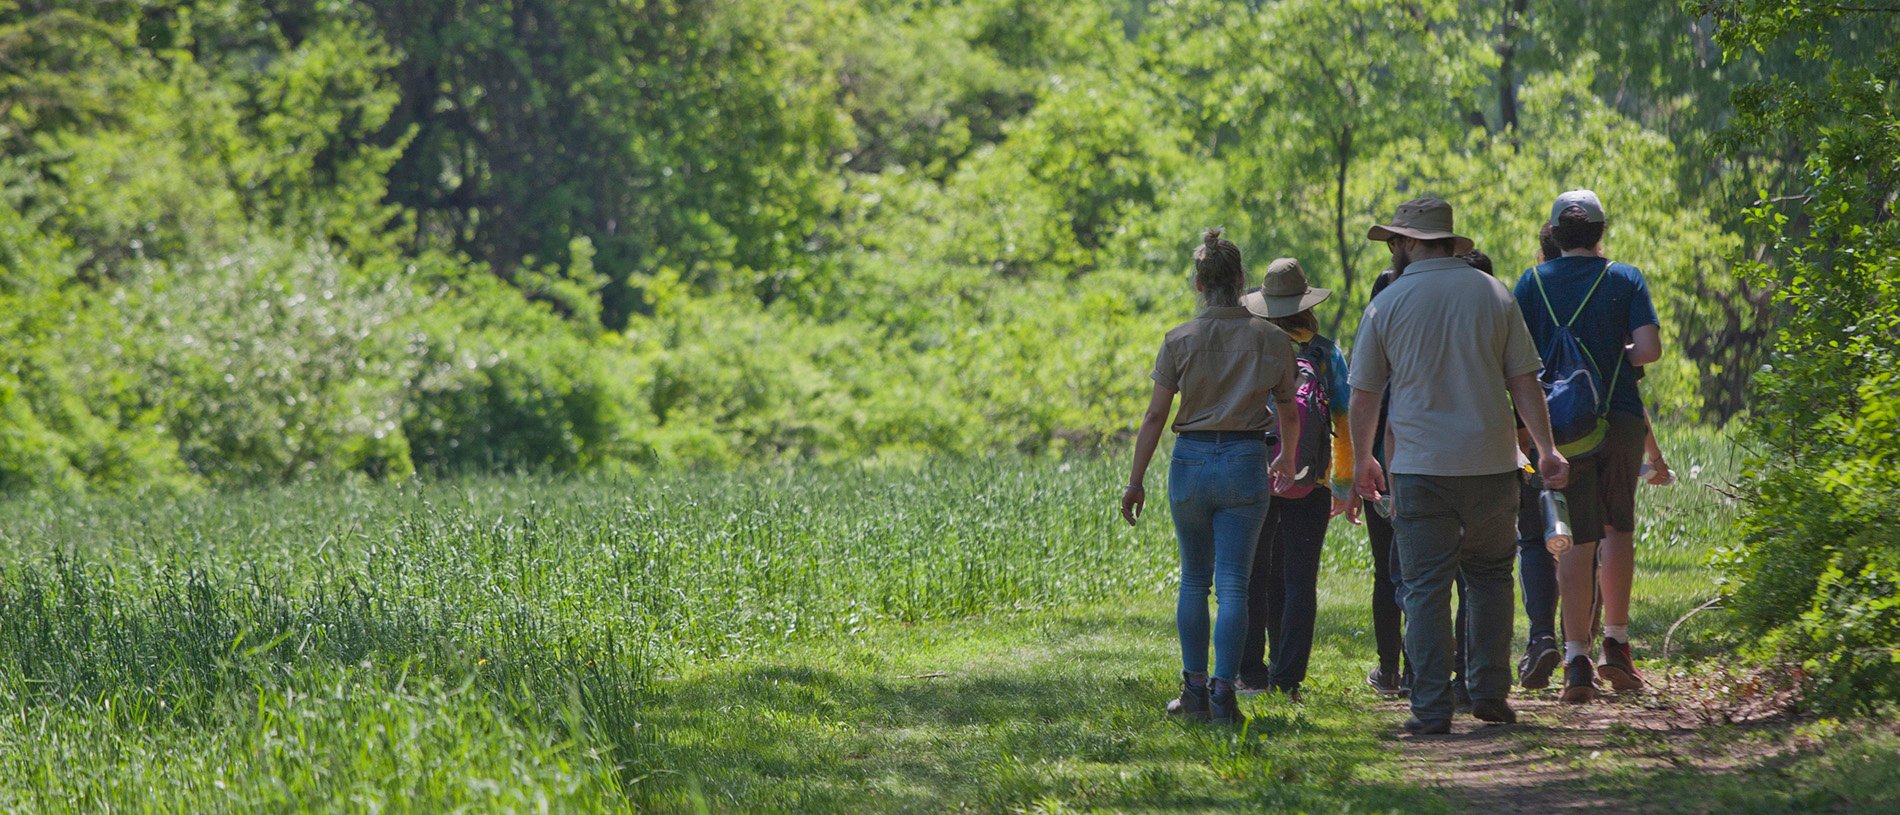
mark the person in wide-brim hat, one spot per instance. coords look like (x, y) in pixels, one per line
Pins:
(1284, 292)
(1283, 584)
(1425, 219)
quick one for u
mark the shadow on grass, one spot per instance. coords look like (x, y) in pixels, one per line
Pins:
(1028, 713)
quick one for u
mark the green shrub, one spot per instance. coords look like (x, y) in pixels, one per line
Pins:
(499, 382)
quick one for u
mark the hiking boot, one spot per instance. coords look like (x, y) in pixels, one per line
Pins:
(1420, 727)
(1192, 703)
(1539, 660)
(1617, 668)
(1385, 683)
(1460, 695)
(1223, 704)
(1495, 711)
(1580, 683)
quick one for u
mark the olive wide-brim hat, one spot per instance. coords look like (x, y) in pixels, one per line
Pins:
(1425, 219)
(1284, 292)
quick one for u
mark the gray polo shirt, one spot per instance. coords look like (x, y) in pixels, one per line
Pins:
(1227, 365)
(1445, 336)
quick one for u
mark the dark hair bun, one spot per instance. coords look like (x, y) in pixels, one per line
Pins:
(1212, 236)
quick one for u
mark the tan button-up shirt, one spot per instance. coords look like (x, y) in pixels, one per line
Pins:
(1445, 336)
(1227, 365)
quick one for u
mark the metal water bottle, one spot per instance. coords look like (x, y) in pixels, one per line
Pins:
(1557, 537)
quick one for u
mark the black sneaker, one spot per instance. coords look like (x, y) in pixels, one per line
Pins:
(1418, 727)
(1580, 683)
(1539, 660)
(1223, 704)
(1254, 686)
(1460, 695)
(1385, 683)
(1618, 668)
(1495, 711)
(1192, 703)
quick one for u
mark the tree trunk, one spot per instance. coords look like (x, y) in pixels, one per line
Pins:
(1342, 155)
(1507, 70)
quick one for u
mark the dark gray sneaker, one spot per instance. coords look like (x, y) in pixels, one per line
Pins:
(1495, 711)
(1192, 703)
(1419, 727)
(1537, 664)
(1384, 683)
(1223, 704)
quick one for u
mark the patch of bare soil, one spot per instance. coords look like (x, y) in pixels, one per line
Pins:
(1559, 757)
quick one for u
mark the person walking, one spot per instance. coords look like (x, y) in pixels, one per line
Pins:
(1453, 347)
(1392, 677)
(1387, 616)
(1227, 367)
(1607, 305)
(1283, 590)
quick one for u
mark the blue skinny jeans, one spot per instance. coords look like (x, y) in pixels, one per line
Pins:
(1218, 493)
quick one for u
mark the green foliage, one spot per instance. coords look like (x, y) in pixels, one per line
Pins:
(605, 235)
(1823, 537)
(499, 382)
(687, 135)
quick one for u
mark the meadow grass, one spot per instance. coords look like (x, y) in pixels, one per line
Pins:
(730, 641)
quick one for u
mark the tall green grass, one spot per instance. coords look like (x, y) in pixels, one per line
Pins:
(496, 624)
(499, 643)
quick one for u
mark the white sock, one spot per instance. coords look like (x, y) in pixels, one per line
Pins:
(1620, 633)
(1574, 649)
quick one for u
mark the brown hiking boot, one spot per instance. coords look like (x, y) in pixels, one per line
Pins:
(1618, 668)
(1580, 683)
(1192, 703)
(1223, 705)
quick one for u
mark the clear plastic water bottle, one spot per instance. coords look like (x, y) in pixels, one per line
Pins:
(1557, 537)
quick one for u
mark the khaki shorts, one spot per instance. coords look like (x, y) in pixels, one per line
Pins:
(1602, 490)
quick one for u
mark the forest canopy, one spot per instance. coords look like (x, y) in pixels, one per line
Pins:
(251, 242)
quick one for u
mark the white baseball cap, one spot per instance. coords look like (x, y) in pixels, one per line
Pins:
(1581, 199)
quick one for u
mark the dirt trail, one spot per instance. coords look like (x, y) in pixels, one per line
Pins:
(1558, 757)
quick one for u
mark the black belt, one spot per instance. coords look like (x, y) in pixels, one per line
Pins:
(1225, 435)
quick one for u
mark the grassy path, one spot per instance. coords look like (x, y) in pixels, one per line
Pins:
(1045, 711)
(1057, 711)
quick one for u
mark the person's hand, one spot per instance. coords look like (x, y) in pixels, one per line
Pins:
(1280, 472)
(1134, 498)
(1554, 468)
(1370, 483)
(1347, 506)
(1659, 474)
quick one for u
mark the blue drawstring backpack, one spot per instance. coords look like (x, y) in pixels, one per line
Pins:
(1573, 382)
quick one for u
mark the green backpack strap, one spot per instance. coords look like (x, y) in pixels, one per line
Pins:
(1538, 277)
(1614, 374)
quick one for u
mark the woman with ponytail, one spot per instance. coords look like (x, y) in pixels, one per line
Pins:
(1227, 367)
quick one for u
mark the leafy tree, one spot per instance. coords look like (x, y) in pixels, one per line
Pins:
(1817, 567)
(688, 135)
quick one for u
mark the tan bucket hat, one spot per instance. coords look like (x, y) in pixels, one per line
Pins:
(1426, 219)
(1284, 292)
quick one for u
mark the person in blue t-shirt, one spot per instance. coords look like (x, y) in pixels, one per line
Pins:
(1617, 325)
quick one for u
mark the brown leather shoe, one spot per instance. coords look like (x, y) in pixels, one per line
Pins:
(1580, 683)
(1618, 668)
